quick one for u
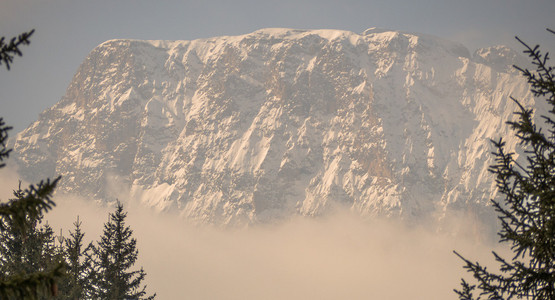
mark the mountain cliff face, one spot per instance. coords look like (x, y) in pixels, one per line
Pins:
(279, 122)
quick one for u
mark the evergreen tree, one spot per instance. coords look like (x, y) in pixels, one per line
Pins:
(31, 204)
(527, 213)
(77, 283)
(114, 256)
(27, 251)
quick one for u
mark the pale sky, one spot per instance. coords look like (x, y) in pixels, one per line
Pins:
(67, 30)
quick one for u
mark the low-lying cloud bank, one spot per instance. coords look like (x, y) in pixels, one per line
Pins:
(336, 257)
(341, 256)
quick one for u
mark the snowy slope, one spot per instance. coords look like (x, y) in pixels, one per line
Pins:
(251, 128)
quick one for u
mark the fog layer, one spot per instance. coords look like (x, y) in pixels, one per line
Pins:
(340, 256)
(334, 257)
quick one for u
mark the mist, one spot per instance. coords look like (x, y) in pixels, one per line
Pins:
(341, 256)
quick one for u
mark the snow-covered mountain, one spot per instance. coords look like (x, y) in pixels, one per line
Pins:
(279, 122)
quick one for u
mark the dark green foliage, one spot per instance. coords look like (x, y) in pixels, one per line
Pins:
(11, 49)
(77, 283)
(28, 253)
(527, 213)
(31, 286)
(4, 151)
(114, 256)
(29, 204)
(33, 279)
(28, 250)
